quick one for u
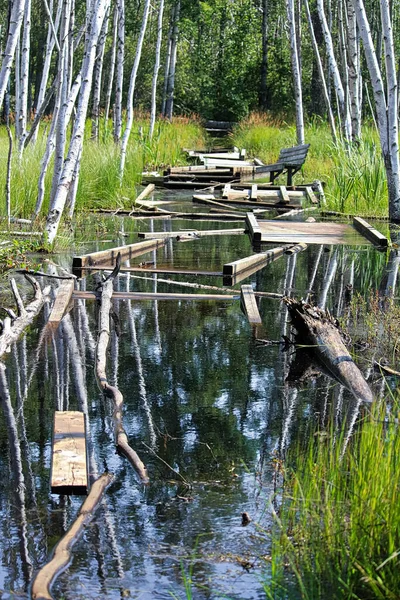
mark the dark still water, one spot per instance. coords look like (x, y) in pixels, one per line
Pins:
(206, 405)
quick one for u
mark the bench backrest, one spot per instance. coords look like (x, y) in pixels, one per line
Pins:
(294, 156)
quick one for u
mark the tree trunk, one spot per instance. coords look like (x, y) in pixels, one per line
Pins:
(354, 70)
(24, 74)
(296, 71)
(112, 66)
(98, 71)
(169, 103)
(129, 121)
(120, 71)
(167, 63)
(16, 18)
(156, 69)
(264, 59)
(95, 22)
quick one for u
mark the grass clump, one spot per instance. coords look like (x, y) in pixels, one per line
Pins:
(339, 520)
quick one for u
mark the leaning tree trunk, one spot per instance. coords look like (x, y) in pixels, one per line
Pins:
(169, 103)
(386, 111)
(112, 66)
(98, 71)
(296, 72)
(354, 70)
(167, 64)
(24, 74)
(119, 72)
(264, 59)
(156, 69)
(129, 122)
(95, 22)
(16, 18)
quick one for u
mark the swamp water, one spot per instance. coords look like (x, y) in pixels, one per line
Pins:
(200, 392)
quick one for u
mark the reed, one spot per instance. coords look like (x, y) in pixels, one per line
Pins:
(338, 527)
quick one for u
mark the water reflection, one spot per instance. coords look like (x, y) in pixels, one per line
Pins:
(210, 404)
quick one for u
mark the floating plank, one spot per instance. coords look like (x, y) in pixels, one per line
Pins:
(249, 304)
(253, 227)
(284, 194)
(370, 232)
(238, 270)
(109, 256)
(274, 201)
(197, 233)
(295, 213)
(63, 298)
(296, 248)
(150, 269)
(254, 192)
(81, 295)
(69, 464)
(149, 189)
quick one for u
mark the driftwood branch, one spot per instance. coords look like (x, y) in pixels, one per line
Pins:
(112, 392)
(318, 329)
(41, 587)
(12, 328)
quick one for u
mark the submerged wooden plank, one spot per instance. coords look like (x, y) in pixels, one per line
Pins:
(61, 302)
(238, 270)
(370, 232)
(69, 463)
(249, 304)
(150, 269)
(109, 256)
(197, 233)
(309, 233)
(155, 296)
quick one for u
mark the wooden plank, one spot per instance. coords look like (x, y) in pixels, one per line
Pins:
(309, 233)
(149, 269)
(311, 196)
(284, 194)
(260, 260)
(69, 462)
(249, 303)
(296, 248)
(197, 233)
(374, 236)
(149, 189)
(253, 193)
(295, 213)
(253, 226)
(272, 202)
(81, 295)
(109, 256)
(63, 298)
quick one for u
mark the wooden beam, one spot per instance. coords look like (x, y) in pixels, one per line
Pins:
(69, 461)
(254, 229)
(155, 296)
(149, 269)
(296, 248)
(260, 260)
(254, 192)
(311, 196)
(149, 189)
(249, 303)
(109, 256)
(63, 298)
(370, 232)
(197, 233)
(284, 194)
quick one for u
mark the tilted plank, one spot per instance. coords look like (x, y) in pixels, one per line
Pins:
(195, 232)
(254, 228)
(69, 463)
(311, 196)
(109, 256)
(63, 298)
(370, 232)
(284, 194)
(249, 304)
(261, 259)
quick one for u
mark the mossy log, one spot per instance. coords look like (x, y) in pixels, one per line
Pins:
(318, 329)
(41, 586)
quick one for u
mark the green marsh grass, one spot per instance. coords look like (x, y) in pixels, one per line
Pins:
(338, 527)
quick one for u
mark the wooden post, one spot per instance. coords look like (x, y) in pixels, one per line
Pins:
(370, 232)
(69, 464)
(249, 304)
(63, 298)
(284, 194)
(254, 229)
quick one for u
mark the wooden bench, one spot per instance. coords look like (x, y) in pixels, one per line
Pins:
(290, 161)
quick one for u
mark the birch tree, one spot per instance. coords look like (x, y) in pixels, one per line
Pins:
(169, 102)
(156, 69)
(264, 60)
(96, 14)
(112, 65)
(98, 71)
(119, 71)
(386, 104)
(296, 71)
(16, 18)
(129, 120)
(354, 71)
(22, 116)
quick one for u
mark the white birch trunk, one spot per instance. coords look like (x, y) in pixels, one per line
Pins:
(24, 74)
(167, 63)
(296, 71)
(16, 17)
(331, 118)
(119, 72)
(92, 35)
(345, 116)
(354, 71)
(17, 88)
(156, 69)
(112, 66)
(387, 113)
(129, 121)
(98, 71)
(169, 103)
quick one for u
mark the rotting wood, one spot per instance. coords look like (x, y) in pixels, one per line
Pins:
(13, 326)
(317, 328)
(63, 298)
(200, 198)
(196, 232)
(69, 459)
(154, 296)
(260, 202)
(295, 213)
(248, 301)
(41, 586)
(112, 392)
(374, 236)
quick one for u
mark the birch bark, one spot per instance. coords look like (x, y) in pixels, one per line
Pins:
(112, 65)
(16, 18)
(131, 91)
(296, 72)
(354, 71)
(98, 71)
(169, 103)
(119, 72)
(156, 69)
(24, 74)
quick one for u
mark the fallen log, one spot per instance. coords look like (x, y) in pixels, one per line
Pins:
(14, 325)
(318, 329)
(112, 392)
(41, 586)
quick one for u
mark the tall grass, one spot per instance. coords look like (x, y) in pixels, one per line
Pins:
(339, 521)
(354, 175)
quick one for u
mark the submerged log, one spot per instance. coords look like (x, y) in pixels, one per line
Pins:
(112, 392)
(41, 587)
(14, 325)
(317, 328)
